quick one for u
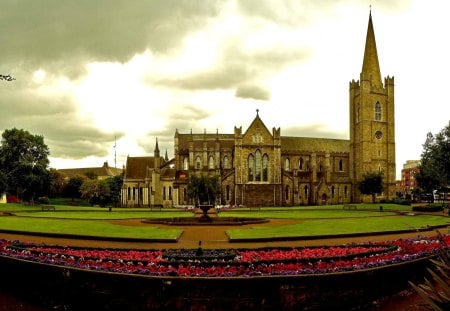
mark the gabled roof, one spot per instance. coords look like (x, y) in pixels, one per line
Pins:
(257, 123)
(137, 167)
(102, 171)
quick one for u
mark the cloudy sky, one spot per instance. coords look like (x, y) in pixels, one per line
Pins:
(89, 71)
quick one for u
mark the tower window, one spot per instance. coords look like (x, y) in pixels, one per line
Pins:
(378, 111)
(185, 163)
(340, 166)
(300, 164)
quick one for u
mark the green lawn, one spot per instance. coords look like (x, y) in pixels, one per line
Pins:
(315, 227)
(312, 221)
(85, 227)
(124, 214)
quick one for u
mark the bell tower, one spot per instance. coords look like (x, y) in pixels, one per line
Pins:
(372, 123)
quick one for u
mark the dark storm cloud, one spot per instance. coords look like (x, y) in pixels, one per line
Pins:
(55, 31)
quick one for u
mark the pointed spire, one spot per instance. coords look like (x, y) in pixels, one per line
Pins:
(371, 67)
(166, 157)
(156, 147)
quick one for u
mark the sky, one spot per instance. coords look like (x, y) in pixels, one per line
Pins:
(101, 80)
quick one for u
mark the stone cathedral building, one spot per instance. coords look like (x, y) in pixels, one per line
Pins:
(259, 166)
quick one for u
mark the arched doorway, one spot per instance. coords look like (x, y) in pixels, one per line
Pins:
(324, 198)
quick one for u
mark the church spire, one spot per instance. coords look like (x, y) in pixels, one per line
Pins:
(371, 68)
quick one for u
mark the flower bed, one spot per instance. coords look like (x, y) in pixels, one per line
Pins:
(230, 263)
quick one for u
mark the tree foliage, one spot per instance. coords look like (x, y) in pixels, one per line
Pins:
(434, 169)
(96, 191)
(203, 189)
(72, 188)
(57, 183)
(371, 184)
(115, 185)
(24, 163)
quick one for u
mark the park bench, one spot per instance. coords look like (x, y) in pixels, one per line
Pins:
(349, 206)
(47, 208)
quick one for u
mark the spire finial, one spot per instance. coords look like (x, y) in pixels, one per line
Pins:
(257, 112)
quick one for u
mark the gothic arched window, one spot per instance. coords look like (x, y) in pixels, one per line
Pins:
(225, 162)
(185, 163)
(300, 164)
(251, 167)
(258, 165)
(340, 166)
(265, 168)
(287, 164)
(287, 193)
(378, 111)
(211, 163)
(198, 163)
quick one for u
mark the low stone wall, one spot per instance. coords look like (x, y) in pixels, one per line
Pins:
(76, 289)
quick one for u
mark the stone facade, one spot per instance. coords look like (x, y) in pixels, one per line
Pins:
(260, 167)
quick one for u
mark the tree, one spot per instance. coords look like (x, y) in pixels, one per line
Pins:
(96, 191)
(57, 183)
(203, 189)
(6, 77)
(115, 185)
(372, 183)
(72, 188)
(24, 162)
(434, 169)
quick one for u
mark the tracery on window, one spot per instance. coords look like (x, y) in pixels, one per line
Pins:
(258, 167)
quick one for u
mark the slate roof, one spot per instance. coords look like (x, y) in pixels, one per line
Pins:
(308, 144)
(137, 167)
(102, 171)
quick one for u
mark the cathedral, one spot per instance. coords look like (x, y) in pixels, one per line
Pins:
(261, 167)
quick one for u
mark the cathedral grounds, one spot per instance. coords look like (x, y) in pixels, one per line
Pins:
(285, 226)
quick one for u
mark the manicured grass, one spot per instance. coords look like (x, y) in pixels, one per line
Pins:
(315, 227)
(103, 214)
(85, 228)
(306, 214)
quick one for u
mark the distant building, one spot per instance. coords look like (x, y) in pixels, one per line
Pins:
(149, 181)
(409, 181)
(262, 167)
(101, 172)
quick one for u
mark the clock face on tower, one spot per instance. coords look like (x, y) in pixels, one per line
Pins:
(378, 134)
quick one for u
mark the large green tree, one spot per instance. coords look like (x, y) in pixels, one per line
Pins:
(24, 163)
(203, 189)
(371, 184)
(434, 169)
